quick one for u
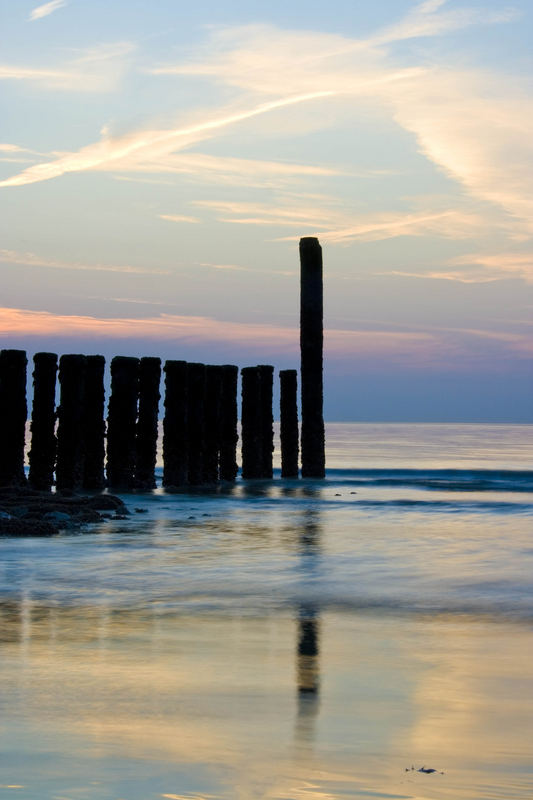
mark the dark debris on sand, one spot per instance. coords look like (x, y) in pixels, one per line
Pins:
(27, 512)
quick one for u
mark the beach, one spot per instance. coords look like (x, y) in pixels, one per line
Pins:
(285, 639)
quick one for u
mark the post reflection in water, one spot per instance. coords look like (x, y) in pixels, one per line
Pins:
(308, 627)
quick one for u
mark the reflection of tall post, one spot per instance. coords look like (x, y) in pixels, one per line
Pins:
(311, 346)
(308, 666)
(288, 407)
(251, 423)
(70, 438)
(266, 381)
(13, 412)
(175, 434)
(94, 424)
(121, 421)
(308, 672)
(146, 431)
(196, 422)
(42, 455)
(228, 423)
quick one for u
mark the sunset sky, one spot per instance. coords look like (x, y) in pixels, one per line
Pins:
(159, 163)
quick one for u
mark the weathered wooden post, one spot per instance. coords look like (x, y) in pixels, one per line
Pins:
(13, 413)
(146, 433)
(94, 424)
(175, 428)
(196, 422)
(311, 347)
(251, 423)
(266, 382)
(70, 435)
(288, 406)
(42, 455)
(121, 422)
(213, 391)
(228, 423)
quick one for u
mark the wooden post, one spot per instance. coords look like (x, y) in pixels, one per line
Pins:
(251, 423)
(42, 455)
(196, 422)
(311, 346)
(13, 413)
(94, 424)
(228, 423)
(289, 423)
(121, 422)
(213, 390)
(175, 429)
(266, 381)
(70, 436)
(146, 434)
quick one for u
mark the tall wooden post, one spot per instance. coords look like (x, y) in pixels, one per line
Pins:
(311, 347)
(196, 422)
(70, 436)
(42, 454)
(94, 424)
(266, 381)
(13, 413)
(288, 406)
(228, 423)
(146, 433)
(175, 428)
(251, 423)
(121, 422)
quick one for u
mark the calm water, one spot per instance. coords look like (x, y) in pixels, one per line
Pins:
(285, 640)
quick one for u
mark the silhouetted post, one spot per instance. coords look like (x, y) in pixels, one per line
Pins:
(288, 406)
(42, 455)
(266, 381)
(196, 422)
(94, 424)
(175, 429)
(70, 435)
(251, 423)
(213, 390)
(121, 422)
(13, 413)
(311, 346)
(228, 423)
(146, 434)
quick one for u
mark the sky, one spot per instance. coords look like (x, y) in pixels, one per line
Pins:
(159, 163)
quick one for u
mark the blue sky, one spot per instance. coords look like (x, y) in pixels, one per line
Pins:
(158, 165)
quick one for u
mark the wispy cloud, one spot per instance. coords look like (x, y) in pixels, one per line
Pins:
(178, 218)
(98, 69)
(478, 268)
(336, 226)
(47, 8)
(422, 348)
(33, 260)
(109, 151)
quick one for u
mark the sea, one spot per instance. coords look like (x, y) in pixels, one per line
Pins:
(369, 635)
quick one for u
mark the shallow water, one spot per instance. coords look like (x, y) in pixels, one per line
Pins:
(285, 639)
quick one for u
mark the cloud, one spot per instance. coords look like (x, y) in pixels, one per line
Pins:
(178, 218)
(98, 69)
(33, 260)
(479, 268)
(336, 226)
(108, 151)
(415, 348)
(47, 8)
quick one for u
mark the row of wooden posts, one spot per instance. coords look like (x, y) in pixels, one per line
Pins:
(200, 420)
(200, 434)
